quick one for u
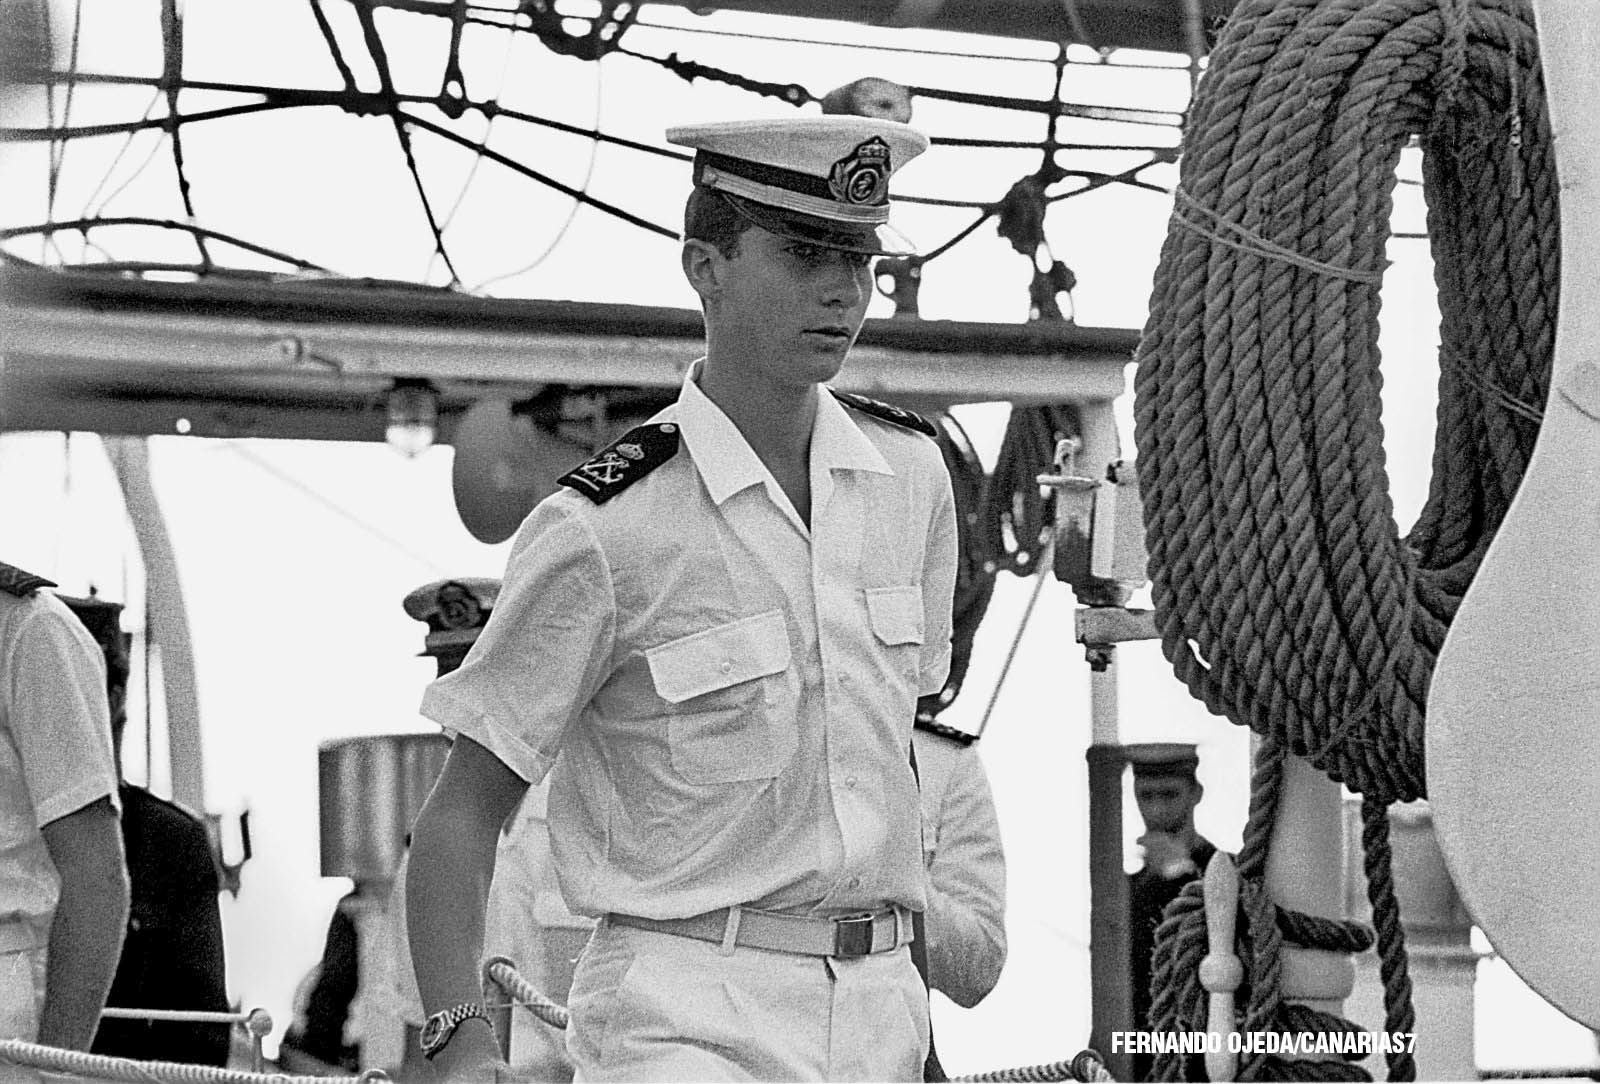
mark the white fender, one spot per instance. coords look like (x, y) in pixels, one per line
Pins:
(1513, 739)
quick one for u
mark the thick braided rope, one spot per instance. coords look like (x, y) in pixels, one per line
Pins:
(1284, 597)
(1053, 1071)
(523, 992)
(101, 1067)
(1179, 1001)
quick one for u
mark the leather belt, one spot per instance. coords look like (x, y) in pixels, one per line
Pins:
(862, 933)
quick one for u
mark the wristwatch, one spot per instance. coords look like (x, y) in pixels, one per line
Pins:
(438, 1029)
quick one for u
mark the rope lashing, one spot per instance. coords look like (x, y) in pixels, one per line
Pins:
(1284, 597)
(79, 1065)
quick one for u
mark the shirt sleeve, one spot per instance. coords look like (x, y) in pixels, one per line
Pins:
(545, 650)
(966, 888)
(938, 580)
(59, 715)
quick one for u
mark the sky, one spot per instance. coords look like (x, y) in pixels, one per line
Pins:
(294, 556)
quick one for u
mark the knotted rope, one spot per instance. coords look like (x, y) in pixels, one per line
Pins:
(1284, 597)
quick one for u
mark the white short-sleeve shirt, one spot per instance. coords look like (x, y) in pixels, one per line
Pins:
(55, 742)
(726, 695)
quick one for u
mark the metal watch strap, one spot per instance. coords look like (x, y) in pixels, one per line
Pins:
(447, 1021)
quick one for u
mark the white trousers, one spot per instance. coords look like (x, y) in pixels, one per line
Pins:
(21, 997)
(650, 1006)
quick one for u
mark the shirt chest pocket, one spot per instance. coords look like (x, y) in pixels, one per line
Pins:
(896, 617)
(723, 687)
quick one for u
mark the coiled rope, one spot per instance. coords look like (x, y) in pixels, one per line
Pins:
(1284, 597)
(101, 1067)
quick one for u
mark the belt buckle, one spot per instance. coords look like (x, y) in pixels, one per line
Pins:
(852, 935)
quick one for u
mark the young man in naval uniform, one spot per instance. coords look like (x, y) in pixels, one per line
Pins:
(713, 640)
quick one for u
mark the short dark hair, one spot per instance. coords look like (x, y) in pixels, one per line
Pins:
(709, 217)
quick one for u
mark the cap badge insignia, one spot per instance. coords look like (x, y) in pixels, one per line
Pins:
(862, 176)
(631, 451)
(458, 609)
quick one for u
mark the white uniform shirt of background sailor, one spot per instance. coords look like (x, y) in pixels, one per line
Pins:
(966, 866)
(55, 758)
(730, 694)
(525, 920)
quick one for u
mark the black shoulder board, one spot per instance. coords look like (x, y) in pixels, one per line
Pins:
(961, 737)
(14, 581)
(638, 452)
(886, 412)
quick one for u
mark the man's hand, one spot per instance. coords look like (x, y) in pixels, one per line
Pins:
(472, 1055)
(1167, 855)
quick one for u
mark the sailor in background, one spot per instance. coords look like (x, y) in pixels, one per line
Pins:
(63, 878)
(714, 641)
(1167, 790)
(525, 921)
(966, 866)
(172, 956)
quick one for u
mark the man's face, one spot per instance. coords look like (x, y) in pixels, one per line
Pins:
(1166, 802)
(792, 309)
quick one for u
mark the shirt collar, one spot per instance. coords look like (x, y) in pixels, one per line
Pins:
(837, 442)
(724, 458)
(728, 464)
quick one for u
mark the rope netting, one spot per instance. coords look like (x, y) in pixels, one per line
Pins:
(1285, 598)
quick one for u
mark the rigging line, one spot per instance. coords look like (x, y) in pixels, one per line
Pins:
(365, 12)
(1041, 573)
(572, 212)
(1161, 118)
(495, 109)
(155, 146)
(133, 127)
(58, 150)
(884, 48)
(987, 213)
(935, 201)
(535, 175)
(172, 80)
(358, 102)
(339, 510)
(483, 141)
(164, 223)
(690, 70)
(1129, 177)
(331, 39)
(506, 19)
(115, 161)
(1031, 145)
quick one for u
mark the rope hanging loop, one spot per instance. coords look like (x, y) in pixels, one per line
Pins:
(1285, 597)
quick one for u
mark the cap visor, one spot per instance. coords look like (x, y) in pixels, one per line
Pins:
(880, 240)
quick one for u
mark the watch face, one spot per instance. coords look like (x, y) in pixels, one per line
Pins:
(432, 1032)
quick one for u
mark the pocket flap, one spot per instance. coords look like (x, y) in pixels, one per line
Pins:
(896, 613)
(704, 662)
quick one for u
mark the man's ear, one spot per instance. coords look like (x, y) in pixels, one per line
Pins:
(703, 266)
